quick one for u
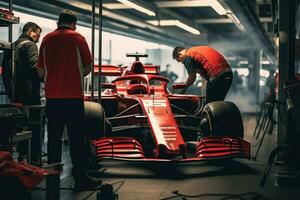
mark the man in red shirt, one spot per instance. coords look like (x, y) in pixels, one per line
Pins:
(211, 65)
(64, 60)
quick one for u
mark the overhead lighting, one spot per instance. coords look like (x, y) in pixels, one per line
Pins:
(187, 28)
(214, 21)
(264, 73)
(262, 83)
(243, 62)
(243, 71)
(128, 20)
(174, 23)
(124, 19)
(236, 21)
(137, 7)
(231, 58)
(215, 4)
(265, 62)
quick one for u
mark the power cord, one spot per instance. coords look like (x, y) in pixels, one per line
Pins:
(121, 184)
(255, 196)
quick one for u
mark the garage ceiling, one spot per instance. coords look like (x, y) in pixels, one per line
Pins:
(232, 25)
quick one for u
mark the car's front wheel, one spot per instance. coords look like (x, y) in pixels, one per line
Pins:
(221, 118)
(94, 120)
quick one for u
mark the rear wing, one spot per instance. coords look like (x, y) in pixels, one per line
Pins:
(108, 70)
(112, 70)
(149, 69)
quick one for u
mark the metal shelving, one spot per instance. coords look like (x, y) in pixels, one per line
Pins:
(7, 19)
(4, 45)
(6, 22)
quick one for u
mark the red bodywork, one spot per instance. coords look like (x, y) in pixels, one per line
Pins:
(149, 123)
(29, 175)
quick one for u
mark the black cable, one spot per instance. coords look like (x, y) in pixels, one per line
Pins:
(256, 196)
(121, 184)
(227, 195)
(233, 197)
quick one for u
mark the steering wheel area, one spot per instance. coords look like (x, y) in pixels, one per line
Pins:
(136, 89)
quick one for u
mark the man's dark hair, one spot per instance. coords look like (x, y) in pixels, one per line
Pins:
(176, 52)
(31, 26)
(67, 17)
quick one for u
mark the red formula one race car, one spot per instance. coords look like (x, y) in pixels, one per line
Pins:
(140, 120)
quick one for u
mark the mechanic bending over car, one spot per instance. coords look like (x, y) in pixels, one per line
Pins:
(211, 65)
(64, 60)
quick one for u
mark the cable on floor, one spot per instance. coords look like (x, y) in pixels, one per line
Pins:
(255, 196)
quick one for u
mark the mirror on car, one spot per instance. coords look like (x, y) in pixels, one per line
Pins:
(178, 86)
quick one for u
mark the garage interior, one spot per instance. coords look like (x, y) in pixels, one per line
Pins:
(258, 38)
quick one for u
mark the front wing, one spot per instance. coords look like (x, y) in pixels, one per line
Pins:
(208, 148)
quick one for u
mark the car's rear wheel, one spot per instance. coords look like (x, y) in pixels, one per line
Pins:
(94, 120)
(221, 118)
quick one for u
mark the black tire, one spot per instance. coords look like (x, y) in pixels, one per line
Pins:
(94, 120)
(222, 118)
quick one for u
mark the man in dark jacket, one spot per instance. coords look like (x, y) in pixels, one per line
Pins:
(26, 81)
(26, 78)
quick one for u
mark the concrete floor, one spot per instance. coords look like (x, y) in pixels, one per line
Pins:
(208, 179)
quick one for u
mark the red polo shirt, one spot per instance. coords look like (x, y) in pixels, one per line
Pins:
(63, 54)
(206, 61)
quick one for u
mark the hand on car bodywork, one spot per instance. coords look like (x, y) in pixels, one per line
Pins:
(191, 79)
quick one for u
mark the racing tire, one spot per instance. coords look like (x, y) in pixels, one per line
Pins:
(221, 118)
(94, 120)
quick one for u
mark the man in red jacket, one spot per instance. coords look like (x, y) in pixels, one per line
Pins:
(64, 61)
(211, 65)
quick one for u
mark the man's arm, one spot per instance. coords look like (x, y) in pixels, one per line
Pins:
(87, 69)
(41, 72)
(31, 59)
(40, 62)
(191, 79)
(86, 56)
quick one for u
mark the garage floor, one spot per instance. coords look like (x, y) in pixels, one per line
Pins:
(207, 180)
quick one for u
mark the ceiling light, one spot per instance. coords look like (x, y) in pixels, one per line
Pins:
(236, 21)
(174, 23)
(187, 28)
(265, 62)
(215, 4)
(243, 71)
(262, 83)
(264, 73)
(137, 7)
(243, 62)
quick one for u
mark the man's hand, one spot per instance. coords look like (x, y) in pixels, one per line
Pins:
(41, 72)
(191, 79)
